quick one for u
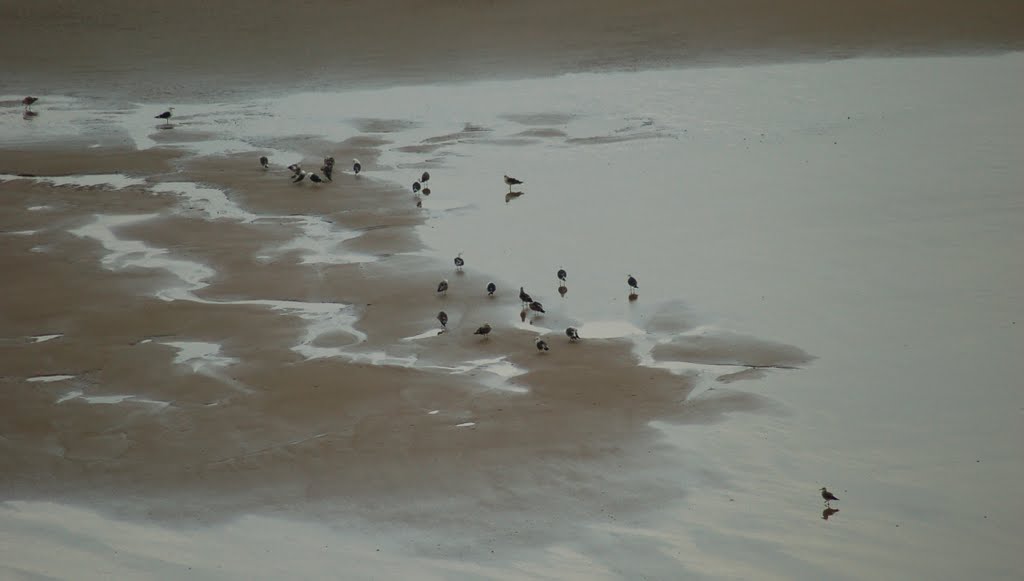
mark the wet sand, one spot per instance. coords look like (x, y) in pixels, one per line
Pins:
(263, 357)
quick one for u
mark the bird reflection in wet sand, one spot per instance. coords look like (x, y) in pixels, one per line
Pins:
(562, 289)
(511, 196)
(829, 511)
(522, 315)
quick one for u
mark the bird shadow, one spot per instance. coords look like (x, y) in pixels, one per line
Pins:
(633, 296)
(511, 196)
(165, 127)
(828, 512)
(563, 290)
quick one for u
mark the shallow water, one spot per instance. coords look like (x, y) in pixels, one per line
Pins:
(867, 211)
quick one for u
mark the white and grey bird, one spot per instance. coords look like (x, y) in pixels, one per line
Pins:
(166, 116)
(264, 162)
(296, 169)
(561, 274)
(299, 176)
(356, 166)
(632, 284)
(459, 262)
(573, 334)
(491, 287)
(484, 330)
(541, 344)
(425, 177)
(828, 496)
(442, 318)
(416, 187)
(442, 287)
(511, 181)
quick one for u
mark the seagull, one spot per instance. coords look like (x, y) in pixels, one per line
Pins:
(459, 262)
(442, 317)
(562, 274)
(484, 330)
(632, 284)
(166, 116)
(425, 177)
(523, 296)
(295, 169)
(264, 162)
(828, 496)
(315, 178)
(328, 172)
(415, 187)
(536, 306)
(572, 334)
(329, 160)
(27, 101)
(356, 166)
(443, 287)
(542, 345)
(511, 182)
(298, 177)
(491, 287)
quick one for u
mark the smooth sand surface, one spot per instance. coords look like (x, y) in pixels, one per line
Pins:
(210, 372)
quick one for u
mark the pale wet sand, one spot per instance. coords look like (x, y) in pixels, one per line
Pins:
(263, 361)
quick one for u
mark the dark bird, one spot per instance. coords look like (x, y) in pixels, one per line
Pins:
(459, 262)
(561, 274)
(523, 296)
(572, 334)
(442, 317)
(315, 178)
(298, 177)
(356, 166)
(537, 307)
(632, 284)
(264, 162)
(491, 287)
(542, 345)
(328, 172)
(484, 330)
(166, 116)
(828, 496)
(425, 177)
(329, 160)
(511, 181)
(27, 101)
(415, 187)
(443, 287)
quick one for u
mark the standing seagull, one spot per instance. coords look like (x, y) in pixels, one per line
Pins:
(425, 177)
(356, 166)
(484, 330)
(166, 116)
(562, 274)
(572, 334)
(442, 317)
(27, 102)
(511, 182)
(828, 496)
(523, 296)
(264, 162)
(542, 345)
(459, 262)
(443, 287)
(491, 287)
(537, 307)
(415, 187)
(632, 285)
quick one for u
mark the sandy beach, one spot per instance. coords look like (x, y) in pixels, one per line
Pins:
(208, 371)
